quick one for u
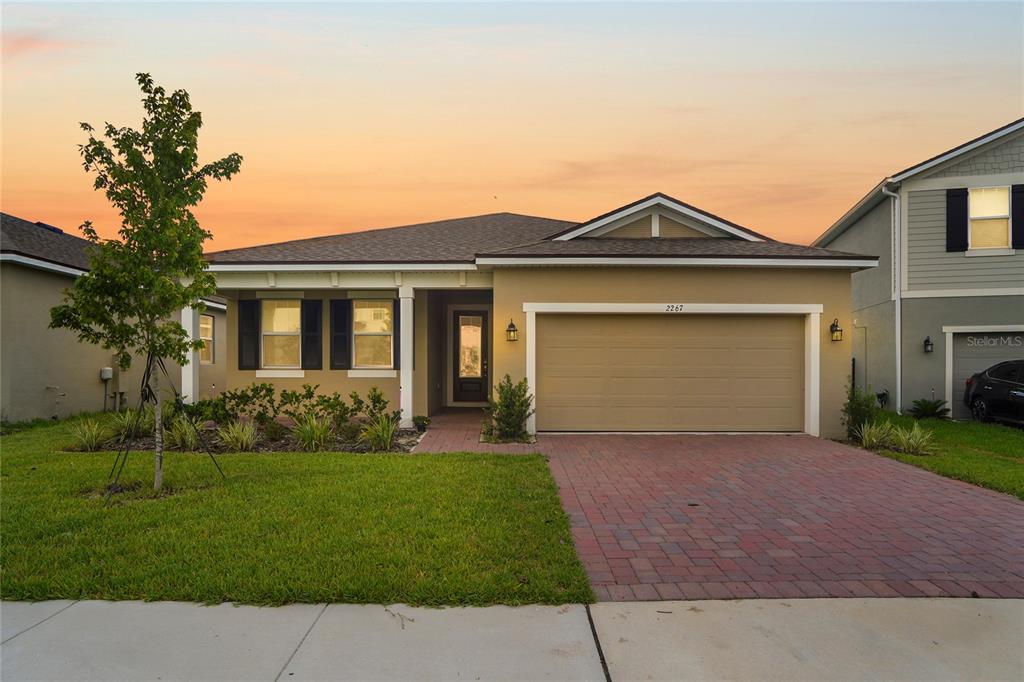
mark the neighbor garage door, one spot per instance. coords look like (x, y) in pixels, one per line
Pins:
(670, 372)
(975, 351)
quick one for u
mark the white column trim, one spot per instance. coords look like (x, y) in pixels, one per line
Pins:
(408, 331)
(949, 367)
(812, 374)
(531, 365)
(190, 368)
(655, 224)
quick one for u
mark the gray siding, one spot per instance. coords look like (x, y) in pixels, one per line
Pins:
(870, 236)
(874, 349)
(1005, 156)
(925, 372)
(929, 266)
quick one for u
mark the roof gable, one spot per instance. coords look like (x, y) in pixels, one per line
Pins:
(656, 205)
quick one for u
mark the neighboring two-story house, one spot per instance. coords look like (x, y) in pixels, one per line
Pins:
(947, 299)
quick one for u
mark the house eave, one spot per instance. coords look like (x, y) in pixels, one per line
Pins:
(675, 261)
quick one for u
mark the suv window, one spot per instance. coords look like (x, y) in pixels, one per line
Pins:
(1007, 371)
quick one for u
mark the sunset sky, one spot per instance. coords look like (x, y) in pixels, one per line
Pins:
(776, 116)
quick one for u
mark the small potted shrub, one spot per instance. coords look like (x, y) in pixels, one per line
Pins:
(421, 422)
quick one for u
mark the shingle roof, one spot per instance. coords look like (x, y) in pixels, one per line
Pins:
(42, 242)
(710, 247)
(443, 241)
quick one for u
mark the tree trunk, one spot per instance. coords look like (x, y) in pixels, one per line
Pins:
(158, 434)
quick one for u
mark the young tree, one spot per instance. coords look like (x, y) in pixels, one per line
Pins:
(137, 284)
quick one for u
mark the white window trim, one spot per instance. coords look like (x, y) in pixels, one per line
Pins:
(280, 373)
(212, 339)
(812, 338)
(390, 334)
(949, 330)
(991, 250)
(263, 333)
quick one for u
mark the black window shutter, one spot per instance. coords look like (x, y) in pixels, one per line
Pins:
(956, 219)
(341, 333)
(396, 333)
(1017, 216)
(249, 334)
(312, 334)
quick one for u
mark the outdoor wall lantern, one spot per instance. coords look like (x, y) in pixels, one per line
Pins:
(511, 333)
(928, 345)
(836, 330)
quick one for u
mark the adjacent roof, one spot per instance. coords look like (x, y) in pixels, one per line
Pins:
(42, 242)
(877, 193)
(443, 241)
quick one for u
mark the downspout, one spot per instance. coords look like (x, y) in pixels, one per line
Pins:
(897, 291)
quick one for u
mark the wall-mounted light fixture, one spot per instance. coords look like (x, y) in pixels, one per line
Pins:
(928, 345)
(836, 330)
(511, 333)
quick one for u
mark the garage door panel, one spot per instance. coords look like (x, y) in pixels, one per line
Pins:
(671, 373)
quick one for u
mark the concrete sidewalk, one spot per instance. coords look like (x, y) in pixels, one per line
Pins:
(756, 639)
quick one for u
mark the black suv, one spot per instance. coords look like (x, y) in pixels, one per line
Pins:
(997, 393)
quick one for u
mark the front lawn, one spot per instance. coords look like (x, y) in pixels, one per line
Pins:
(989, 455)
(285, 527)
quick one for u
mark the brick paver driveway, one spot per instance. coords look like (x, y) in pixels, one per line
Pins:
(693, 516)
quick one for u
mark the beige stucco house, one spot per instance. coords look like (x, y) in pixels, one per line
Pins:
(655, 316)
(47, 373)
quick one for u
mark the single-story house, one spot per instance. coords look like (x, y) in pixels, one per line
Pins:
(47, 373)
(947, 299)
(654, 316)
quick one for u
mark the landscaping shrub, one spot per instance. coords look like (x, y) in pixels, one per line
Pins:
(508, 413)
(258, 401)
(421, 422)
(374, 407)
(133, 423)
(308, 403)
(312, 433)
(933, 409)
(859, 409)
(182, 434)
(379, 433)
(912, 441)
(875, 435)
(89, 435)
(238, 436)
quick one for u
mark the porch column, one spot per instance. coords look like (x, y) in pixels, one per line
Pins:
(408, 331)
(190, 369)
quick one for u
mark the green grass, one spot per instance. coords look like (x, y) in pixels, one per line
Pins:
(285, 527)
(989, 455)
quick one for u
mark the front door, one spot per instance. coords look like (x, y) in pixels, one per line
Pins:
(469, 366)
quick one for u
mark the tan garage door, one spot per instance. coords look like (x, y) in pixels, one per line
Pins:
(670, 372)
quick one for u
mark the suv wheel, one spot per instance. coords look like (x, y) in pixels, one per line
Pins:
(979, 408)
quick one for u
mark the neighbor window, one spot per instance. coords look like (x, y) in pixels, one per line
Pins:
(281, 326)
(990, 218)
(206, 336)
(372, 329)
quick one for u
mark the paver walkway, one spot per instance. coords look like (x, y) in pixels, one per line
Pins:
(739, 516)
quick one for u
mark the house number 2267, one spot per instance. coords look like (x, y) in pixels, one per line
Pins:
(674, 308)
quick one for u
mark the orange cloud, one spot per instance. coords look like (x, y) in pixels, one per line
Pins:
(20, 44)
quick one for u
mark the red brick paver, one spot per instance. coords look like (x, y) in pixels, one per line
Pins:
(725, 517)
(458, 430)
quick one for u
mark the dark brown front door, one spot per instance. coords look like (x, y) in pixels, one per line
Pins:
(469, 366)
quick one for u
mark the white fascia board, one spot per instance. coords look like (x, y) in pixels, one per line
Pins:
(652, 202)
(340, 267)
(38, 264)
(979, 329)
(961, 293)
(676, 308)
(214, 305)
(695, 262)
(980, 142)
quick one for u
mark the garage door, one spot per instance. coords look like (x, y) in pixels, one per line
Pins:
(973, 352)
(670, 373)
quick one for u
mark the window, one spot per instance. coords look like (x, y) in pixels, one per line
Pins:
(372, 330)
(206, 336)
(1006, 372)
(989, 218)
(281, 322)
